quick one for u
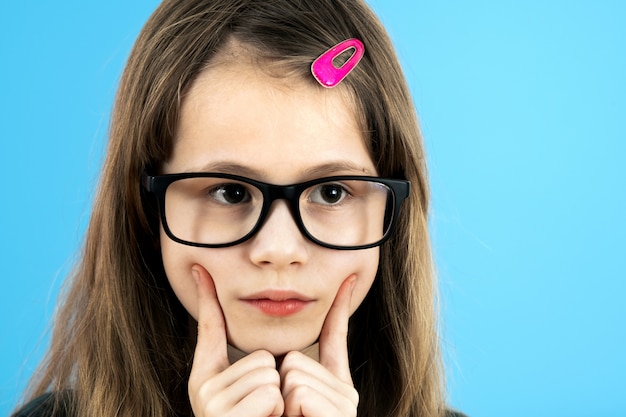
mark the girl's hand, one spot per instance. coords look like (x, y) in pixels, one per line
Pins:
(323, 389)
(250, 387)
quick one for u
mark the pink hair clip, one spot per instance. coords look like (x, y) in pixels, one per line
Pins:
(325, 71)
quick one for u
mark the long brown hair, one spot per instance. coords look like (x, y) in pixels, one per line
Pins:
(121, 341)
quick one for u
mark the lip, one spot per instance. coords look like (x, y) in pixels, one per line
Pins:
(278, 303)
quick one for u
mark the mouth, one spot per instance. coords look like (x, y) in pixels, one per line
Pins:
(278, 303)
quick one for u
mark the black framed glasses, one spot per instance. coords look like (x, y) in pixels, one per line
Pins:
(215, 210)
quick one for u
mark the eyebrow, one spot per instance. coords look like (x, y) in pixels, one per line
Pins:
(224, 167)
(337, 168)
(340, 167)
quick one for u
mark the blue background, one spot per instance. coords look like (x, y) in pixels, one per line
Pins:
(522, 104)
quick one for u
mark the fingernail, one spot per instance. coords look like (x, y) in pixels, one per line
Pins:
(196, 275)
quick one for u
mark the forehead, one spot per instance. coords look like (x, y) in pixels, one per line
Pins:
(239, 59)
(239, 112)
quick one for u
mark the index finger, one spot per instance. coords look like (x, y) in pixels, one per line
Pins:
(333, 338)
(210, 357)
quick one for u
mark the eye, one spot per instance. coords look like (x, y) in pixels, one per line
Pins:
(328, 194)
(230, 194)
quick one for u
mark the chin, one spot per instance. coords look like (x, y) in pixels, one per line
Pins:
(276, 344)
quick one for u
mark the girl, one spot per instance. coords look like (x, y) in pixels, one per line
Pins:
(241, 259)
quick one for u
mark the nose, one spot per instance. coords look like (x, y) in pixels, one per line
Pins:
(279, 243)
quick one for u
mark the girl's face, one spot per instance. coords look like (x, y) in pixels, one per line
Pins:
(238, 120)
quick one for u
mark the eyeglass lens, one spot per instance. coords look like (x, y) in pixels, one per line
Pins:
(209, 210)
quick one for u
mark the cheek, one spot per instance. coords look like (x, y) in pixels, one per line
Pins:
(366, 274)
(177, 263)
